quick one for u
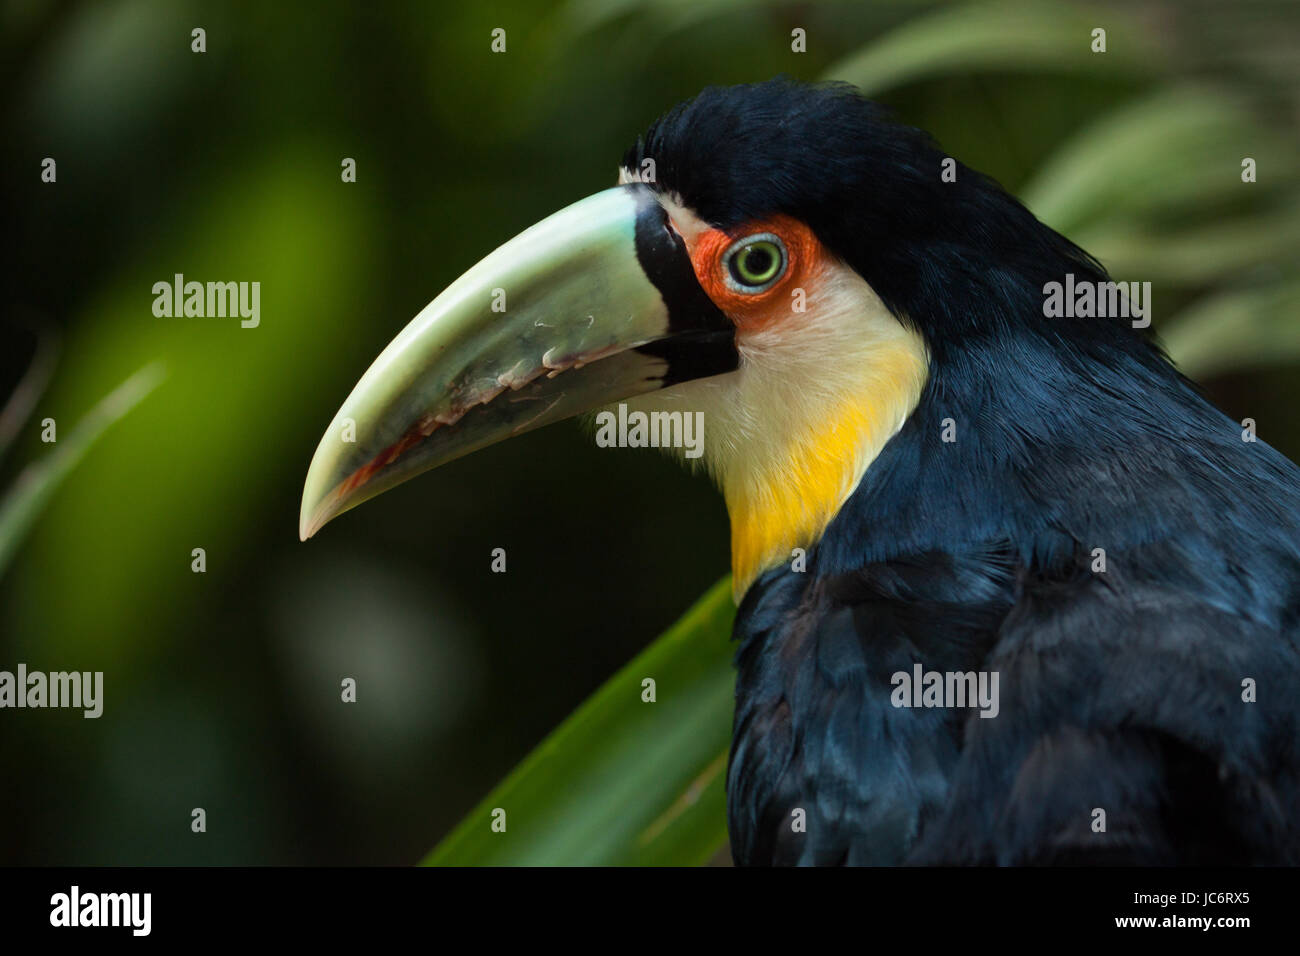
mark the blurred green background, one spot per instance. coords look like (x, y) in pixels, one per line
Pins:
(222, 688)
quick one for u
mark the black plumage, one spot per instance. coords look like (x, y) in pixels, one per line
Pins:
(1120, 690)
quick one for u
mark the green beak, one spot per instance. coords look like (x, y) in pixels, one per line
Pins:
(594, 304)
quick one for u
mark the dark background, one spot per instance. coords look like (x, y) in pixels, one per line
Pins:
(222, 688)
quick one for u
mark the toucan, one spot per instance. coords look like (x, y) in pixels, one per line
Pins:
(1011, 590)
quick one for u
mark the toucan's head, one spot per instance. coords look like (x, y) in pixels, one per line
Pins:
(779, 257)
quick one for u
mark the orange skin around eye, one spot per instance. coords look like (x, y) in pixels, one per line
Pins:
(755, 311)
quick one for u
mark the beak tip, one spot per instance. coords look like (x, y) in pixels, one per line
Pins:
(315, 515)
(322, 491)
(317, 509)
(305, 529)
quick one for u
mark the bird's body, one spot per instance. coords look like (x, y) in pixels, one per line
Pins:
(1120, 690)
(925, 474)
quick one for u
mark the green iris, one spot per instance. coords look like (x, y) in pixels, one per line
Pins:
(758, 263)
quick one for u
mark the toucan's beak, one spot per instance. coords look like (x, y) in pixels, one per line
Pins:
(592, 305)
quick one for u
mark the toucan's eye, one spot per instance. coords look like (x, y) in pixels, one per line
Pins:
(753, 264)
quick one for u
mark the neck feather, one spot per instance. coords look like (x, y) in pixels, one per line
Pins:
(791, 432)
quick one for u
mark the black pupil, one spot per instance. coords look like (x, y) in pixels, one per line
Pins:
(758, 260)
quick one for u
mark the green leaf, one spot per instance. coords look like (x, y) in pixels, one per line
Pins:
(211, 434)
(25, 501)
(1236, 329)
(1219, 249)
(30, 387)
(622, 781)
(1021, 37)
(661, 16)
(1176, 151)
